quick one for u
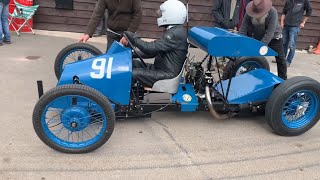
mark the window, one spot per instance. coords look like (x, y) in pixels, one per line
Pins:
(64, 4)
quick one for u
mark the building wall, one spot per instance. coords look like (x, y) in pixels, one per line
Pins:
(310, 35)
(49, 18)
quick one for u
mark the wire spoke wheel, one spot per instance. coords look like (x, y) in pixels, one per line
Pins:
(247, 66)
(293, 108)
(73, 53)
(243, 65)
(299, 109)
(73, 119)
(74, 126)
(76, 55)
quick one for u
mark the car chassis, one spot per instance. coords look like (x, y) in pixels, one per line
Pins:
(99, 90)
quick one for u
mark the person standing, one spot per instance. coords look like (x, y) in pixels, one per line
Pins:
(292, 20)
(228, 14)
(4, 23)
(102, 27)
(261, 22)
(123, 15)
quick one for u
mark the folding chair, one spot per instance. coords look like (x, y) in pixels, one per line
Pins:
(24, 13)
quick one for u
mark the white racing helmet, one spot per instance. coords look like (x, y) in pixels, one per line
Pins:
(172, 12)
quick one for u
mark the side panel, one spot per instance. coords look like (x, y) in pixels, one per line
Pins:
(253, 86)
(186, 98)
(110, 73)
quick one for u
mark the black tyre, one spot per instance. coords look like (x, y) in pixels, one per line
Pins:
(243, 65)
(294, 106)
(72, 53)
(73, 119)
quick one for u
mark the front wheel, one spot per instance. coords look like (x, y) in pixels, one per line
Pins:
(73, 119)
(243, 65)
(72, 53)
(294, 106)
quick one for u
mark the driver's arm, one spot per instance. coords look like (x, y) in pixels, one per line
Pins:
(164, 44)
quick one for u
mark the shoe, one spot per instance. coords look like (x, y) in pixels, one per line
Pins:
(288, 64)
(274, 61)
(97, 34)
(7, 42)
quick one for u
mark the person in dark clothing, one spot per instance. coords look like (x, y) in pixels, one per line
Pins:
(261, 23)
(292, 20)
(4, 23)
(170, 50)
(123, 15)
(228, 14)
(102, 27)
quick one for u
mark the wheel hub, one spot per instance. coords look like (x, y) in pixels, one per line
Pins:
(247, 66)
(241, 70)
(298, 106)
(75, 118)
(301, 109)
(74, 125)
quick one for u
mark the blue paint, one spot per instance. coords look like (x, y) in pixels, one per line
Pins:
(253, 86)
(77, 115)
(187, 105)
(220, 42)
(70, 113)
(117, 87)
(70, 52)
(301, 99)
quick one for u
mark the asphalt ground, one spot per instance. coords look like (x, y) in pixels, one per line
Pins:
(169, 145)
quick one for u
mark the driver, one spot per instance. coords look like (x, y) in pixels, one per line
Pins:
(169, 51)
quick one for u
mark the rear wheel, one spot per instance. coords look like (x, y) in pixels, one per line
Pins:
(72, 53)
(243, 65)
(73, 119)
(294, 108)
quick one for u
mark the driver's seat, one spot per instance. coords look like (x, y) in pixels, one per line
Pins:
(168, 85)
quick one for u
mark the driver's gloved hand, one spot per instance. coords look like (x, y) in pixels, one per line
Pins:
(131, 36)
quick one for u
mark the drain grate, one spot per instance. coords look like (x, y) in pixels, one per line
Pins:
(32, 57)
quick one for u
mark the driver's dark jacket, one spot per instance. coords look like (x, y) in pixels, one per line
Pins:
(170, 52)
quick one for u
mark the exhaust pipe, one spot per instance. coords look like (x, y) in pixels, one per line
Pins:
(214, 113)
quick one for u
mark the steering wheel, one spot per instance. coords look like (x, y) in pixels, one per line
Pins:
(130, 44)
(134, 49)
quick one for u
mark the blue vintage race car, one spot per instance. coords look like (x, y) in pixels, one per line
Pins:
(78, 115)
